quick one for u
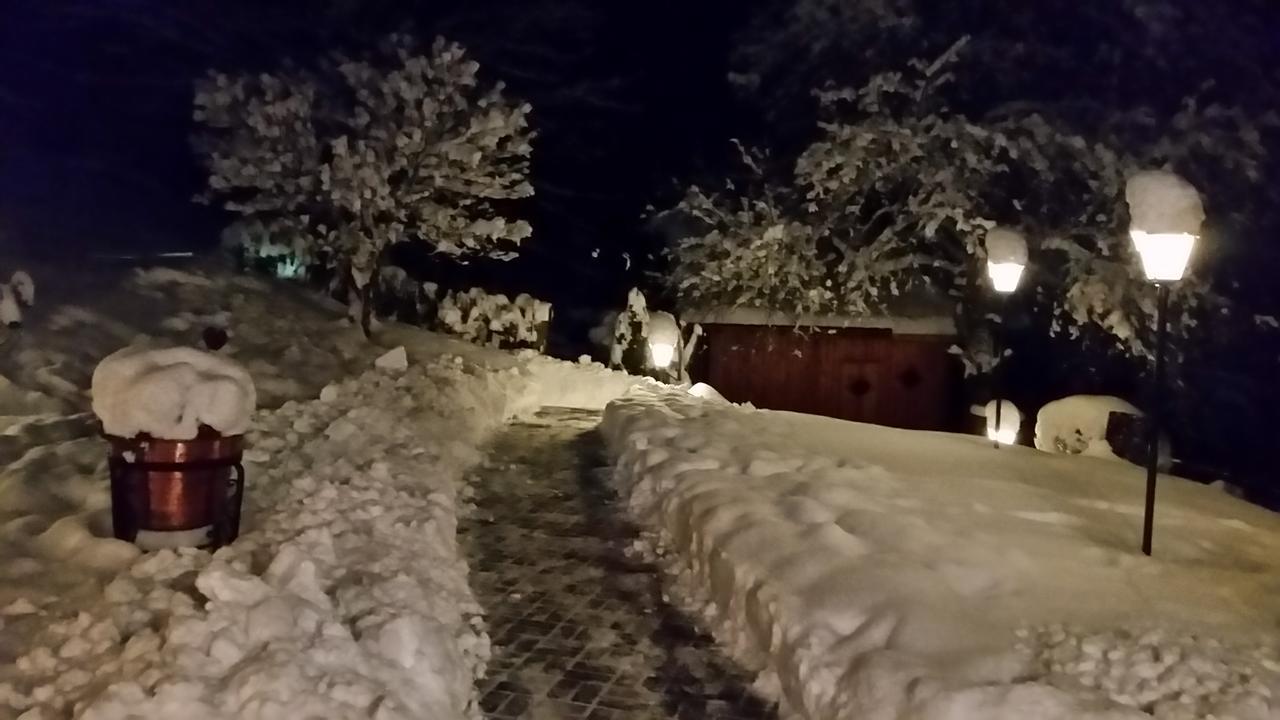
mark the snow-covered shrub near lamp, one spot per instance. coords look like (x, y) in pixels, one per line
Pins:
(1165, 217)
(1006, 258)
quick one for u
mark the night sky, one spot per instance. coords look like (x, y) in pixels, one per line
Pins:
(95, 105)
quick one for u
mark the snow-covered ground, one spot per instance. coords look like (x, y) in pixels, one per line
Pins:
(345, 595)
(866, 572)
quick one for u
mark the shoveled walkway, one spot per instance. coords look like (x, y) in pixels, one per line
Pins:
(579, 629)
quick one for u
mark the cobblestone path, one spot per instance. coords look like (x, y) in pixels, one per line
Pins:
(579, 629)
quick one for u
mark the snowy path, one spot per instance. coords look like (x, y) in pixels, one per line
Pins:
(579, 630)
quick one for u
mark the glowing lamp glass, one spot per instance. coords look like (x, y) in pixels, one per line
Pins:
(1005, 275)
(1164, 255)
(1004, 437)
(662, 354)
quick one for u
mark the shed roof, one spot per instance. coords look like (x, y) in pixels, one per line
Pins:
(923, 312)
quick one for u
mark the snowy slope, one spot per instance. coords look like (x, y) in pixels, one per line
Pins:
(868, 572)
(345, 596)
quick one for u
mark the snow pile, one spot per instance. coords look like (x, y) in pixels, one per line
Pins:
(345, 596)
(1077, 425)
(868, 572)
(20, 291)
(495, 320)
(170, 393)
(1162, 202)
(1175, 676)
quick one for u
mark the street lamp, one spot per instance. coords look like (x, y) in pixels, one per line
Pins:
(1003, 432)
(664, 339)
(1165, 215)
(1006, 258)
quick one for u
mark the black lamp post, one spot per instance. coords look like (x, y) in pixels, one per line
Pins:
(1006, 259)
(1166, 214)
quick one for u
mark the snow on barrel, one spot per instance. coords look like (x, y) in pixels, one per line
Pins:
(169, 393)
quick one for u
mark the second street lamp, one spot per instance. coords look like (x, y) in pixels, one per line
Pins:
(1006, 259)
(1165, 216)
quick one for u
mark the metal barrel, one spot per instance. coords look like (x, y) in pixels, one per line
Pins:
(177, 485)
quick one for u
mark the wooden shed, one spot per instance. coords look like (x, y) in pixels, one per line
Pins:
(889, 370)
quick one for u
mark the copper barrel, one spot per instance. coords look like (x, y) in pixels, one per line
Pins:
(176, 485)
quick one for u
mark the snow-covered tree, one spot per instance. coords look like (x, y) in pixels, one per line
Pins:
(342, 161)
(750, 247)
(899, 189)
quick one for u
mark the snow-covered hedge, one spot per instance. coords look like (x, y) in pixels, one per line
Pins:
(494, 319)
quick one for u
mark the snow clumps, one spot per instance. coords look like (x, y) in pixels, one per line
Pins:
(19, 292)
(170, 393)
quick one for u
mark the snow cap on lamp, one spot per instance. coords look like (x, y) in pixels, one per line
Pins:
(1165, 215)
(1006, 257)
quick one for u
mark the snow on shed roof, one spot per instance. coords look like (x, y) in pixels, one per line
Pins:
(919, 312)
(938, 324)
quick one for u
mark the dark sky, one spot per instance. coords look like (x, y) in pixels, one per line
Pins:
(95, 104)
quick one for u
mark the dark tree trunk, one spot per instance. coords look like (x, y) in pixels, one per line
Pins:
(366, 309)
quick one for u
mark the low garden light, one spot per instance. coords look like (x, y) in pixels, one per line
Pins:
(664, 340)
(1003, 422)
(1165, 215)
(1006, 259)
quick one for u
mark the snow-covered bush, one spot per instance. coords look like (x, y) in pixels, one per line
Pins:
(494, 319)
(630, 328)
(750, 247)
(340, 161)
(19, 292)
(1077, 425)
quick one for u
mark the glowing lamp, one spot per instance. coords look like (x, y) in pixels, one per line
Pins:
(1164, 255)
(1165, 214)
(662, 354)
(1005, 275)
(1003, 421)
(1165, 217)
(1006, 258)
(664, 337)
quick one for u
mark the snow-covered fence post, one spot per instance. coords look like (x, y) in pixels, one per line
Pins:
(1165, 216)
(688, 346)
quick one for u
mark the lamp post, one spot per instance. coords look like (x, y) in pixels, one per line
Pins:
(1006, 258)
(664, 341)
(1165, 217)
